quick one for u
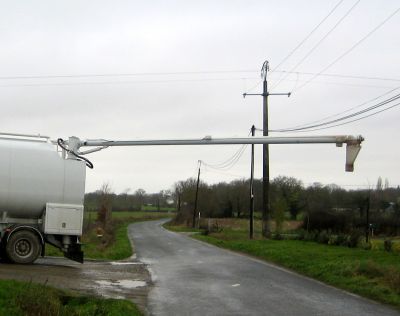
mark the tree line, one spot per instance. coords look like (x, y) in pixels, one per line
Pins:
(321, 207)
(126, 201)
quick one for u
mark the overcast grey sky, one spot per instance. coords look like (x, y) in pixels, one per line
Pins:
(227, 42)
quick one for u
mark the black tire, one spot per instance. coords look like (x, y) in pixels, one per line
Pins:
(23, 247)
(3, 256)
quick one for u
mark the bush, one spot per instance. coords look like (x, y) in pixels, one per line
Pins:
(365, 245)
(210, 226)
(311, 235)
(323, 237)
(333, 240)
(369, 269)
(341, 240)
(301, 234)
(354, 238)
(277, 236)
(393, 279)
(387, 245)
(328, 220)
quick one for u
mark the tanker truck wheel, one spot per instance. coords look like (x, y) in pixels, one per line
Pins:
(23, 247)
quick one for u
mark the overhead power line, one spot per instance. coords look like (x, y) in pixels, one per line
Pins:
(167, 81)
(350, 49)
(82, 83)
(347, 117)
(176, 73)
(347, 84)
(346, 111)
(230, 162)
(320, 41)
(308, 36)
(345, 76)
(352, 121)
(149, 74)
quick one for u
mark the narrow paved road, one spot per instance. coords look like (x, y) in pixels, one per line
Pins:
(194, 278)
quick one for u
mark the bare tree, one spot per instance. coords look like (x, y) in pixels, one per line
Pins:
(105, 205)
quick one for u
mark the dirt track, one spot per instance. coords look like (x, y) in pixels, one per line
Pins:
(127, 279)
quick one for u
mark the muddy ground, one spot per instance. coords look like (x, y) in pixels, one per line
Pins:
(128, 279)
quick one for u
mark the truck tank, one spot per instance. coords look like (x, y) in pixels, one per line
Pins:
(32, 173)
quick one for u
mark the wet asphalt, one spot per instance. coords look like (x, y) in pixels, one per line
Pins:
(194, 278)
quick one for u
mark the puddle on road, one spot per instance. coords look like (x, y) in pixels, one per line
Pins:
(116, 263)
(127, 284)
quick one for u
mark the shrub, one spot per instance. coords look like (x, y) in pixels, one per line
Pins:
(354, 238)
(365, 245)
(341, 240)
(302, 234)
(323, 237)
(370, 269)
(311, 235)
(329, 220)
(392, 277)
(387, 245)
(333, 240)
(210, 226)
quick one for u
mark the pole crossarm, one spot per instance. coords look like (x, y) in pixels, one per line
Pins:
(267, 94)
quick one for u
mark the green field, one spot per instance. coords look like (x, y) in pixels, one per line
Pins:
(155, 208)
(371, 273)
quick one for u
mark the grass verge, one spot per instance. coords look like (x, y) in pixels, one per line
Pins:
(20, 298)
(182, 229)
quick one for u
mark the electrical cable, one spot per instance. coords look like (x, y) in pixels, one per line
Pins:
(230, 163)
(224, 173)
(346, 84)
(61, 143)
(184, 73)
(308, 36)
(118, 82)
(177, 73)
(346, 111)
(351, 48)
(319, 42)
(83, 83)
(229, 160)
(339, 75)
(253, 87)
(373, 107)
(355, 120)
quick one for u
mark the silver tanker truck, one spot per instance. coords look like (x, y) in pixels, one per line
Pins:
(42, 186)
(41, 199)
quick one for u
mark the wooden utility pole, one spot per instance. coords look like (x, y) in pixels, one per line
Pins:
(367, 228)
(266, 203)
(251, 219)
(195, 200)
